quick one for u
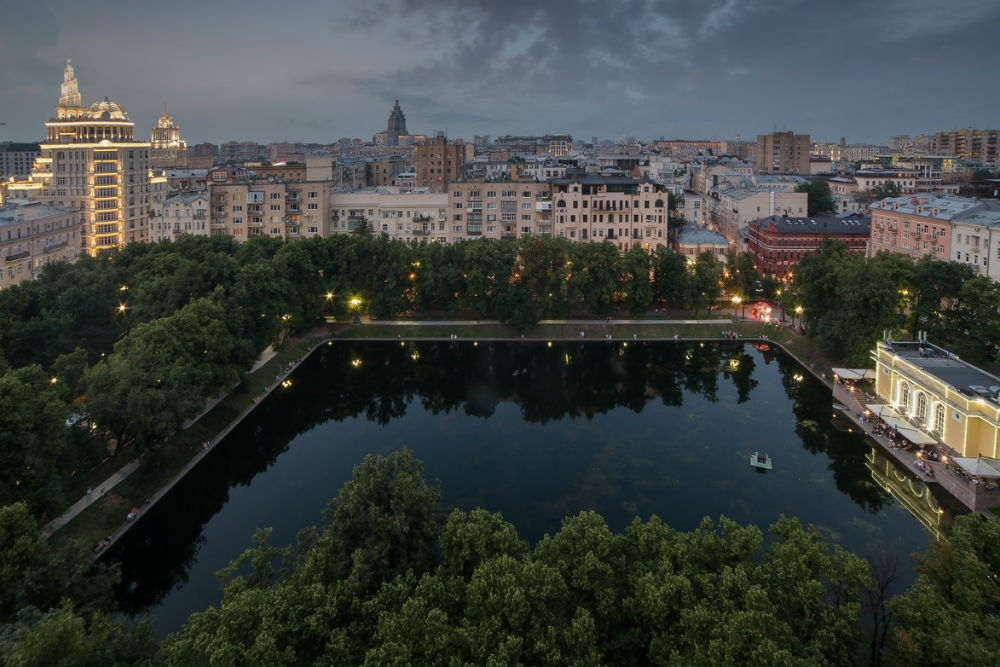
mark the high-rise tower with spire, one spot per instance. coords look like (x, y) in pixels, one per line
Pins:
(397, 125)
(91, 162)
(167, 149)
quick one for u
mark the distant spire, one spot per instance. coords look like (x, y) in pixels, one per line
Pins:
(70, 93)
(164, 109)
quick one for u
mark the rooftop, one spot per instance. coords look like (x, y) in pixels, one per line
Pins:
(817, 224)
(945, 366)
(14, 211)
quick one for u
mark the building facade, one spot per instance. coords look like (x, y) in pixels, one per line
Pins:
(16, 160)
(281, 210)
(918, 225)
(977, 146)
(625, 211)
(91, 162)
(942, 395)
(782, 153)
(406, 217)
(181, 213)
(396, 126)
(439, 163)
(778, 243)
(730, 210)
(166, 147)
(499, 209)
(694, 239)
(32, 235)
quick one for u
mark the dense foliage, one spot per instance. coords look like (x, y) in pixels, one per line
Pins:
(849, 301)
(387, 579)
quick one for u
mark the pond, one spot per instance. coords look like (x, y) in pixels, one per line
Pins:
(535, 431)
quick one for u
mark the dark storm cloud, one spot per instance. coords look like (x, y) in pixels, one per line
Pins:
(316, 71)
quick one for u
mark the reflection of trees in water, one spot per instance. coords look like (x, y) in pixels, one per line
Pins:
(379, 380)
(158, 551)
(812, 405)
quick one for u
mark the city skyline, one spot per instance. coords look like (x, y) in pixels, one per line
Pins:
(312, 72)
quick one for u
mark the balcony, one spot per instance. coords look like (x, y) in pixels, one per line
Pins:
(55, 246)
(14, 256)
(508, 235)
(292, 196)
(423, 231)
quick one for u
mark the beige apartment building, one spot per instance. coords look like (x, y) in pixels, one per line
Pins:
(280, 210)
(730, 211)
(406, 217)
(499, 209)
(91, 162)
(969, 145)
(782, 153)
(625, 211)
(32, 235)
(439, 163)
(181, 213)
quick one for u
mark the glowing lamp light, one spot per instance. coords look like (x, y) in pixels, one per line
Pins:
(356, 363)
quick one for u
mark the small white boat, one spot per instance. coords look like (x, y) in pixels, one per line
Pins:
(760, 460)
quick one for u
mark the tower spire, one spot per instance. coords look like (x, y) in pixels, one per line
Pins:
(69, 98)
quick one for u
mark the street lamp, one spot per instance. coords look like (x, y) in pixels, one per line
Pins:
(736, 304)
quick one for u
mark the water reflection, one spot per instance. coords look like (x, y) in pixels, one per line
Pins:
(534, 431)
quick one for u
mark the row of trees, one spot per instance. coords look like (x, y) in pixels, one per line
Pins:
(388, 578)
(140, 341)
(849, 301)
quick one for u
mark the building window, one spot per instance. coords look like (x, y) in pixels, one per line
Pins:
(939, 419)
(922, 407)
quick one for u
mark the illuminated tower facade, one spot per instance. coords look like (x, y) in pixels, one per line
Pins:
(91, 162)
(397, 126)
(167, 149)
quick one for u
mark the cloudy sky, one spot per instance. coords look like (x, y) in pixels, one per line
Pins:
(318, 70)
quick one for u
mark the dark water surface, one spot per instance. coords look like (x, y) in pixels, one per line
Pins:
(532, 431)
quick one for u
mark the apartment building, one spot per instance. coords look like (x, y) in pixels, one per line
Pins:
(91, 162)
(731, 209)
(32, 235)
(180, 213)
(782, 153)
(504, 209)
(16, 159)
(777, 243)
(439, 163)
(282, 210)
(594, 208)
(979, 146)
(405, 217)
(957, 229)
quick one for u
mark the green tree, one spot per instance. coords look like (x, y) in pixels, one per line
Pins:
(977, 320)
(883, 190)
(35, 456)
(593, 276)
(819, 198)
(636, 267)
(704, 282)
(949, 614)
(545, 267)
(40, 574)
(670, 276)
(61, 636)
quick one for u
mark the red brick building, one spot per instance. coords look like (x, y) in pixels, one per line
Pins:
(777, 242)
